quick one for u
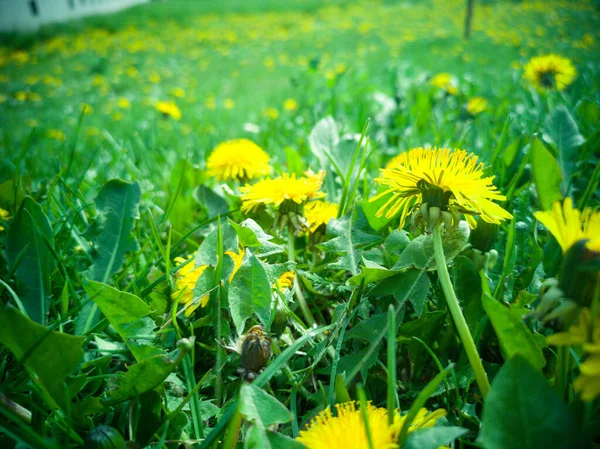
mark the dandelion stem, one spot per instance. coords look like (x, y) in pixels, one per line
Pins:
(308, 316)
(457, 315)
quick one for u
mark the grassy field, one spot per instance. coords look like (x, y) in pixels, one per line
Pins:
(106, 129)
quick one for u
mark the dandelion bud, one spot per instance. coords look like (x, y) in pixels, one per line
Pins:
(104, 437)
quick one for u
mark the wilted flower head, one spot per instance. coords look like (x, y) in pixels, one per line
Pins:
(451, 180)
(283, 188)
(238, 159)
(568, 225)
(185, 279)
(318, 213)
(550, 72)
(169, 109)
(476, 105)
(347, 430)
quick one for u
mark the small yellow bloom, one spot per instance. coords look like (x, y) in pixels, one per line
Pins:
(124, 103)
(476, 105)
(4, 215)
(154, 78)
(271, 113)
(444, 81)
(238, 159)
(237, 261)
(86, 109)
(186, 279)
(178, 92)
(347, 430)
(290, 105)
(285, 187)
(318, 213)
(228, 103)
(20, 96)
(56, 134)
(169, 109)
(568, 225)
(550, 72)
(286, 280)
(418, 172)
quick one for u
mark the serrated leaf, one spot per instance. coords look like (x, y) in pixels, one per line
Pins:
(140, 378)
(367, 329)
(513, 335)
(546, 174)
(51, 355)
(563, 132)
(412, 285)
(250, 293)
(118, 208)
(521, 394)
(129, 315)
(261, 408)
(29, 235)
(207, 253)
(351, 233)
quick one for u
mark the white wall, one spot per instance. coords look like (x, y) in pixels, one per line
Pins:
(16, 15)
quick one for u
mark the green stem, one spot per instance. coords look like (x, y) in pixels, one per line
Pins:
(308, 316)
(457, 315)
(562, 370)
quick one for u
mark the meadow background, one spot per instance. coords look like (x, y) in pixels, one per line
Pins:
(83, 103)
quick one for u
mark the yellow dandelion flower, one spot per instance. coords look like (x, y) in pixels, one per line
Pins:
(178, 92)
(238, 159)
(285, 187)
(476, 105)
(185, 279)
(169, 109)
(550, 72)
(318, 213)
(347, 429)
(444, 81)
(237, 261)
(4, 216)
(421, 175)
(286, 280)
(20, 96)
(568, 225)
(290, 105)
(271, 113)
(86, 109)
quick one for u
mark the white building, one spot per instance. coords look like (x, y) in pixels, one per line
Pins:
(28, 15)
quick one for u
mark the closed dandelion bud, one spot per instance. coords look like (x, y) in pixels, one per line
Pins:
(482, 237)
(104, 437)
(255, 352)
(280, 322)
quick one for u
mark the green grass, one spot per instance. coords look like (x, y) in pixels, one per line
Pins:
(90, 260)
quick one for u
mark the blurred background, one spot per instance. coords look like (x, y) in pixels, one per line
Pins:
(132, 92)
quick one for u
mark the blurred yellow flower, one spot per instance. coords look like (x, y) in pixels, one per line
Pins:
(124, 103)
(422, 175)
(169, 108)
(550, 72)
(476, 105)
(178, 92)
(347, 430)
(445, 82)
(290, 105)
(238, 159)
(185, 280)
(56, 134)
(4, 215)
(271, 113)
(568, 225)
(318, 213)
(86, 109)
(154, 78)
(585, 333)
(20, 96)
(228, 103)
(285, 187)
